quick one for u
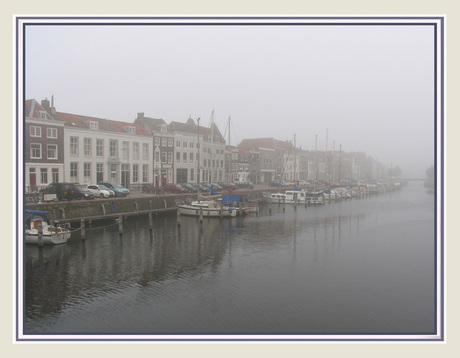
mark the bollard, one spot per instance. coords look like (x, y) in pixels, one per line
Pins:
(295, 204)
(201, 215)
(178, 217)
(120, 225)
(82, 227)
(40, 234)
(103, 209)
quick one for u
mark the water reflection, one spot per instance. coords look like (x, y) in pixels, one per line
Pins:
(272, 272)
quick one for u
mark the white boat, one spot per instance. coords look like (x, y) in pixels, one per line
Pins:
(297, 196)
(207, 208)
(52, 233)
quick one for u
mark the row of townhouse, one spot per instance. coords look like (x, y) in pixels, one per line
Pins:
(81, 149)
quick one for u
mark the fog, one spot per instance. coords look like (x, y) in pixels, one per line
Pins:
(367, 88)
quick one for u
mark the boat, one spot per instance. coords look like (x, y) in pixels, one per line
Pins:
(297, 197)
(52, 232)
(206, 208)
(238, 202)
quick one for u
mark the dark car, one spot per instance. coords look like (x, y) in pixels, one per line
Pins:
(118, 189)
(86, 194)
(61, 191)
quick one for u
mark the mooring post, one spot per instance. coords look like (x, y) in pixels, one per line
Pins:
(295, 203)
(120, 224)
(178, 217)
(150, 221)
(201, 215)
(40, 234)
(284, 204)
(221, 213)
(82, 227)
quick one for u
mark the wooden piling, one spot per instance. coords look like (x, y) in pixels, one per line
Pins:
(120, 224)
(150, 221)
(178, 217)
(40, 234)
(201, 215)
(82, 229)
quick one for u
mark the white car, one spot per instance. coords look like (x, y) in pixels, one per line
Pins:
(100, 191)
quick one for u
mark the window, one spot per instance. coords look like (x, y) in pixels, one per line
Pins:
(130, 129)
(170, 142)
(192, 175)
(87, 147)
(178, 157)
(145, 173)
(35, 131)
(145, 151)
(51, 151)
(113, 147)
(136, 151)
(42, 114)
(170, 157)
(184, 157)
(51, 133)
(157, 156)
(164, 142)
(157, 141)
(44, 175)
(164, 129)
(74, 172)
(93, 125)
(163, 157)
(191, 145)
(73, 146)
(35, 151)
(135, 173)
(99, 147)
(178, 144)
(191, 157)
(87, 170)
(99, 172)
(55, 175)
(185, 144)
(125, 150)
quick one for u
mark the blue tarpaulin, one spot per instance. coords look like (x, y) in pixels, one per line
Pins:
(229, 199)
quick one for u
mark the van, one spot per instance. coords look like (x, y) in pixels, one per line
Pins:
(61, 191)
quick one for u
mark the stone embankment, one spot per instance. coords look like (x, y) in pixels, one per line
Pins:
(100, 209)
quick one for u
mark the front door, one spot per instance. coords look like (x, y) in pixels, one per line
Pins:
(33, 181)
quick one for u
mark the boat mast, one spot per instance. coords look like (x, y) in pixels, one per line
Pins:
(199, 159)
(294, 158)
(229, 163)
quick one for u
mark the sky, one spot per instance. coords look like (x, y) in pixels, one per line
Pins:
(365, 88)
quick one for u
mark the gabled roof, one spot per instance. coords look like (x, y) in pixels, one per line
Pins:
(151, 124)
(79, 121)
(33, 108)
(269, 143)
(191, 127)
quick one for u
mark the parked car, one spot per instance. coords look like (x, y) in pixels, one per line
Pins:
(119, 190)
(175, 188)
(61, 191)
(190, 187)
(101, 191)
(217, 186)
(246, 185)
(86, 194)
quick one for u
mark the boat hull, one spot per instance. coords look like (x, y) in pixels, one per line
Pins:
(207, 212)
(51, 239)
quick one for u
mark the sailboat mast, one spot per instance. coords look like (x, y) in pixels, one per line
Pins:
(294, 158)
(199, 158)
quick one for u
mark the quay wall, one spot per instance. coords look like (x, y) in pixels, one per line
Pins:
(136, 204)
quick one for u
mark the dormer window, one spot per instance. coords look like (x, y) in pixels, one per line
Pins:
(42, 114)
(92, 124)
(130, 129)
(163, 129)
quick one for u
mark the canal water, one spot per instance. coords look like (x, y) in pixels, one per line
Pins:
(364, 266)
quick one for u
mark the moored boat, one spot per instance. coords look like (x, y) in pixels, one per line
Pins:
(206, 208)
(41, 229)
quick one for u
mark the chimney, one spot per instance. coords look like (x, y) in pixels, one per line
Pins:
(140, 115)
(46, 104)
